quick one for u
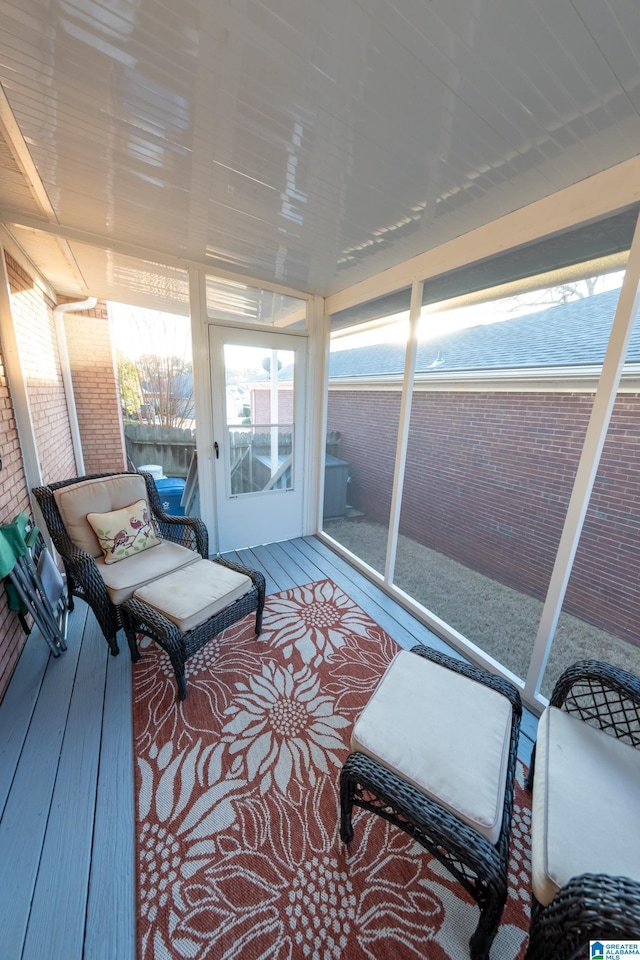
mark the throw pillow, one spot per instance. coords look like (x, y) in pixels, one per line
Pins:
(121, 533)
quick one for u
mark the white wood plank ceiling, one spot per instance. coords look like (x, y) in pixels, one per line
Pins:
(308, 143)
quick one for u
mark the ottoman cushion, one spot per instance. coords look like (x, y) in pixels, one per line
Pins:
(122, 579)
(447, 735)
(190, 596)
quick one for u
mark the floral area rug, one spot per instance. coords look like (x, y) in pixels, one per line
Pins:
(238, 852)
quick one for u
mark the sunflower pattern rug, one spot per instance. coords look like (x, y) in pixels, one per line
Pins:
(238, 851)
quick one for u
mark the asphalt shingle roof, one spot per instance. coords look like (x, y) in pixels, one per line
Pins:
(569, 334)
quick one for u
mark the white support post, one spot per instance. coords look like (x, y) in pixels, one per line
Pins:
(604, 400)
(273, 412)
(202, 402)
(17, 386)
(316, 405)
(403, 431)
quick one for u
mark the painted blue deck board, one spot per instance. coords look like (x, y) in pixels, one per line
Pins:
(311, 571)
(529, 725)
(26, 814)
(17, 707)
(247, 558)
(300, 574)
(57, 919)
(276, 571)
(110, 927)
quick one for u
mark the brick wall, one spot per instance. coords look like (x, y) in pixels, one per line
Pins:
(33, 317)
(368, 426)
(95, 389)
(98, 405)
(33, 320)
(260, 405)
(13, 500)
(488, 481)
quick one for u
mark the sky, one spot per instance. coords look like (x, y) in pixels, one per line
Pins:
(137, 331)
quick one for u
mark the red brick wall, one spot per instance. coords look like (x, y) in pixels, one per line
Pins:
(33, 320)
(95, 389)
(98, 413)
(368, 426)
(261, 406)
(13, 500)
(488, 481)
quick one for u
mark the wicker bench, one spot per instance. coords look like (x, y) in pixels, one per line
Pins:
(185, 609)
(434, 752)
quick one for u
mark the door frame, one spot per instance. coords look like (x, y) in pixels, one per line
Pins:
(280, 512)
(317, 337)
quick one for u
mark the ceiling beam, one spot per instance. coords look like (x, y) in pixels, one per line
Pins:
(73, 234)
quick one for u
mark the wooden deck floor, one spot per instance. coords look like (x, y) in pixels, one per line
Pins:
(66, 786)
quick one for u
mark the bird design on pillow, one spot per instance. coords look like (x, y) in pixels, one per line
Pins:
(135, 531)
(121, 539)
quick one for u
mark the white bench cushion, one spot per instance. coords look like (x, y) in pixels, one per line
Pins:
(189, 597)
(122, 579)
(586, 803)
(447, 735)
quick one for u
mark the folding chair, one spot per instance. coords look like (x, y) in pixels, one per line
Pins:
(38, 590)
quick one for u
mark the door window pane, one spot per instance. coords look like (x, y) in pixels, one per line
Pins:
(259, 396)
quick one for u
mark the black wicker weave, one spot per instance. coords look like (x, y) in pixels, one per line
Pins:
(478, 865)
(83, 576)
(601, 694)
(591, 906)
(138, 618)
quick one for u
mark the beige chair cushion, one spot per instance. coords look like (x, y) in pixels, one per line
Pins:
(124, 578)
(96, 496)
(189, 597)
(447, 735)
(586, 804)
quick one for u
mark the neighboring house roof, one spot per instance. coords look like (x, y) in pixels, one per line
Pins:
(568, 334)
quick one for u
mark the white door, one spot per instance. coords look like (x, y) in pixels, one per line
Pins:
(258, 428)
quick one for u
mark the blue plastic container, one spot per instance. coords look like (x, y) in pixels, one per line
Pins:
(170, 490)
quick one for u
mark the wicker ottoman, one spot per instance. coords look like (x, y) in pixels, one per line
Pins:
(185, 609)
(434, 752)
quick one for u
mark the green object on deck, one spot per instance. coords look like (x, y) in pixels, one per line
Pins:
(15, 540)
(13, 543)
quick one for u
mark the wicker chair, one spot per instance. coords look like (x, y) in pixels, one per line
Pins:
(84, 578)
(585, 866)
(434, 716)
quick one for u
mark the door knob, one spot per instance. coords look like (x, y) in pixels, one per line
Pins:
(217, 449)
